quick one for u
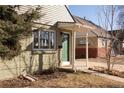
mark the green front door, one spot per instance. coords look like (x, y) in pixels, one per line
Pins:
(65, 47)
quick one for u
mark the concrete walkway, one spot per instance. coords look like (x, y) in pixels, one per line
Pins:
(85, 69)
(119, 79)
(80, 65)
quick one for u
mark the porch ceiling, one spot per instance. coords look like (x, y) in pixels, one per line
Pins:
(74, 26)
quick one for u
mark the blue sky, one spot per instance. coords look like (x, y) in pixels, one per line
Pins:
(88, 11)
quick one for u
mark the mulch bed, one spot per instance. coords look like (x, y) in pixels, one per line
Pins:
(105, 71)
(14, 83)
(42, 76)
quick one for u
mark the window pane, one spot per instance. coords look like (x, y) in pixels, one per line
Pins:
(41, 40)
(36, 45)
(52, 40)
(44, 39)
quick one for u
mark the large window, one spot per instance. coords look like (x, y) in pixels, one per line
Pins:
(44, 40)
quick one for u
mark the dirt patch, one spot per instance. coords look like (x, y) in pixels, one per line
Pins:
(53, 75)
(62, 79)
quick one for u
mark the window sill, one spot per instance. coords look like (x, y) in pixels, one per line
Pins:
(44, 51)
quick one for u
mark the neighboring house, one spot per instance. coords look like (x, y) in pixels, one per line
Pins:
(119, 45)
(98, 40)
(53, 45)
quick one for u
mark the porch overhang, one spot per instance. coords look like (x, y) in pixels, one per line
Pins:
(74, 26)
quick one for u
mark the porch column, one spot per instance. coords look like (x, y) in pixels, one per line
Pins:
(73, 49)
(87, 54)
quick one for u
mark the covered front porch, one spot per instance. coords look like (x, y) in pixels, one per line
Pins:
(67, 42)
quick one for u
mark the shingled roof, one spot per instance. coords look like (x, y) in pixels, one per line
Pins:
(98, 31)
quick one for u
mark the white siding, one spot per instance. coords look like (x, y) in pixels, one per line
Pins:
(102, 42)
(52, 14)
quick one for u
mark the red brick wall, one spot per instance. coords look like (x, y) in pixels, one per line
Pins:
(93, 52)
(81, 53)
(101, 52)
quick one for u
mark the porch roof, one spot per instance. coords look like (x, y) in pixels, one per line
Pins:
(74, 26)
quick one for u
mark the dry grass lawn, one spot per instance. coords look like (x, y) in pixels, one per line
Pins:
(64, 80)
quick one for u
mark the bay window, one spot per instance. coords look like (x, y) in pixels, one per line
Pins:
(44, 40)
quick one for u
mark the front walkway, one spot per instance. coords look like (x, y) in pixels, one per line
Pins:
(80, 64)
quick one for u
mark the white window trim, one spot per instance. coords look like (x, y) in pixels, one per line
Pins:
(42, 49)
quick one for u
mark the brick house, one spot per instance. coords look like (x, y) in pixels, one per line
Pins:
(98, 40)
